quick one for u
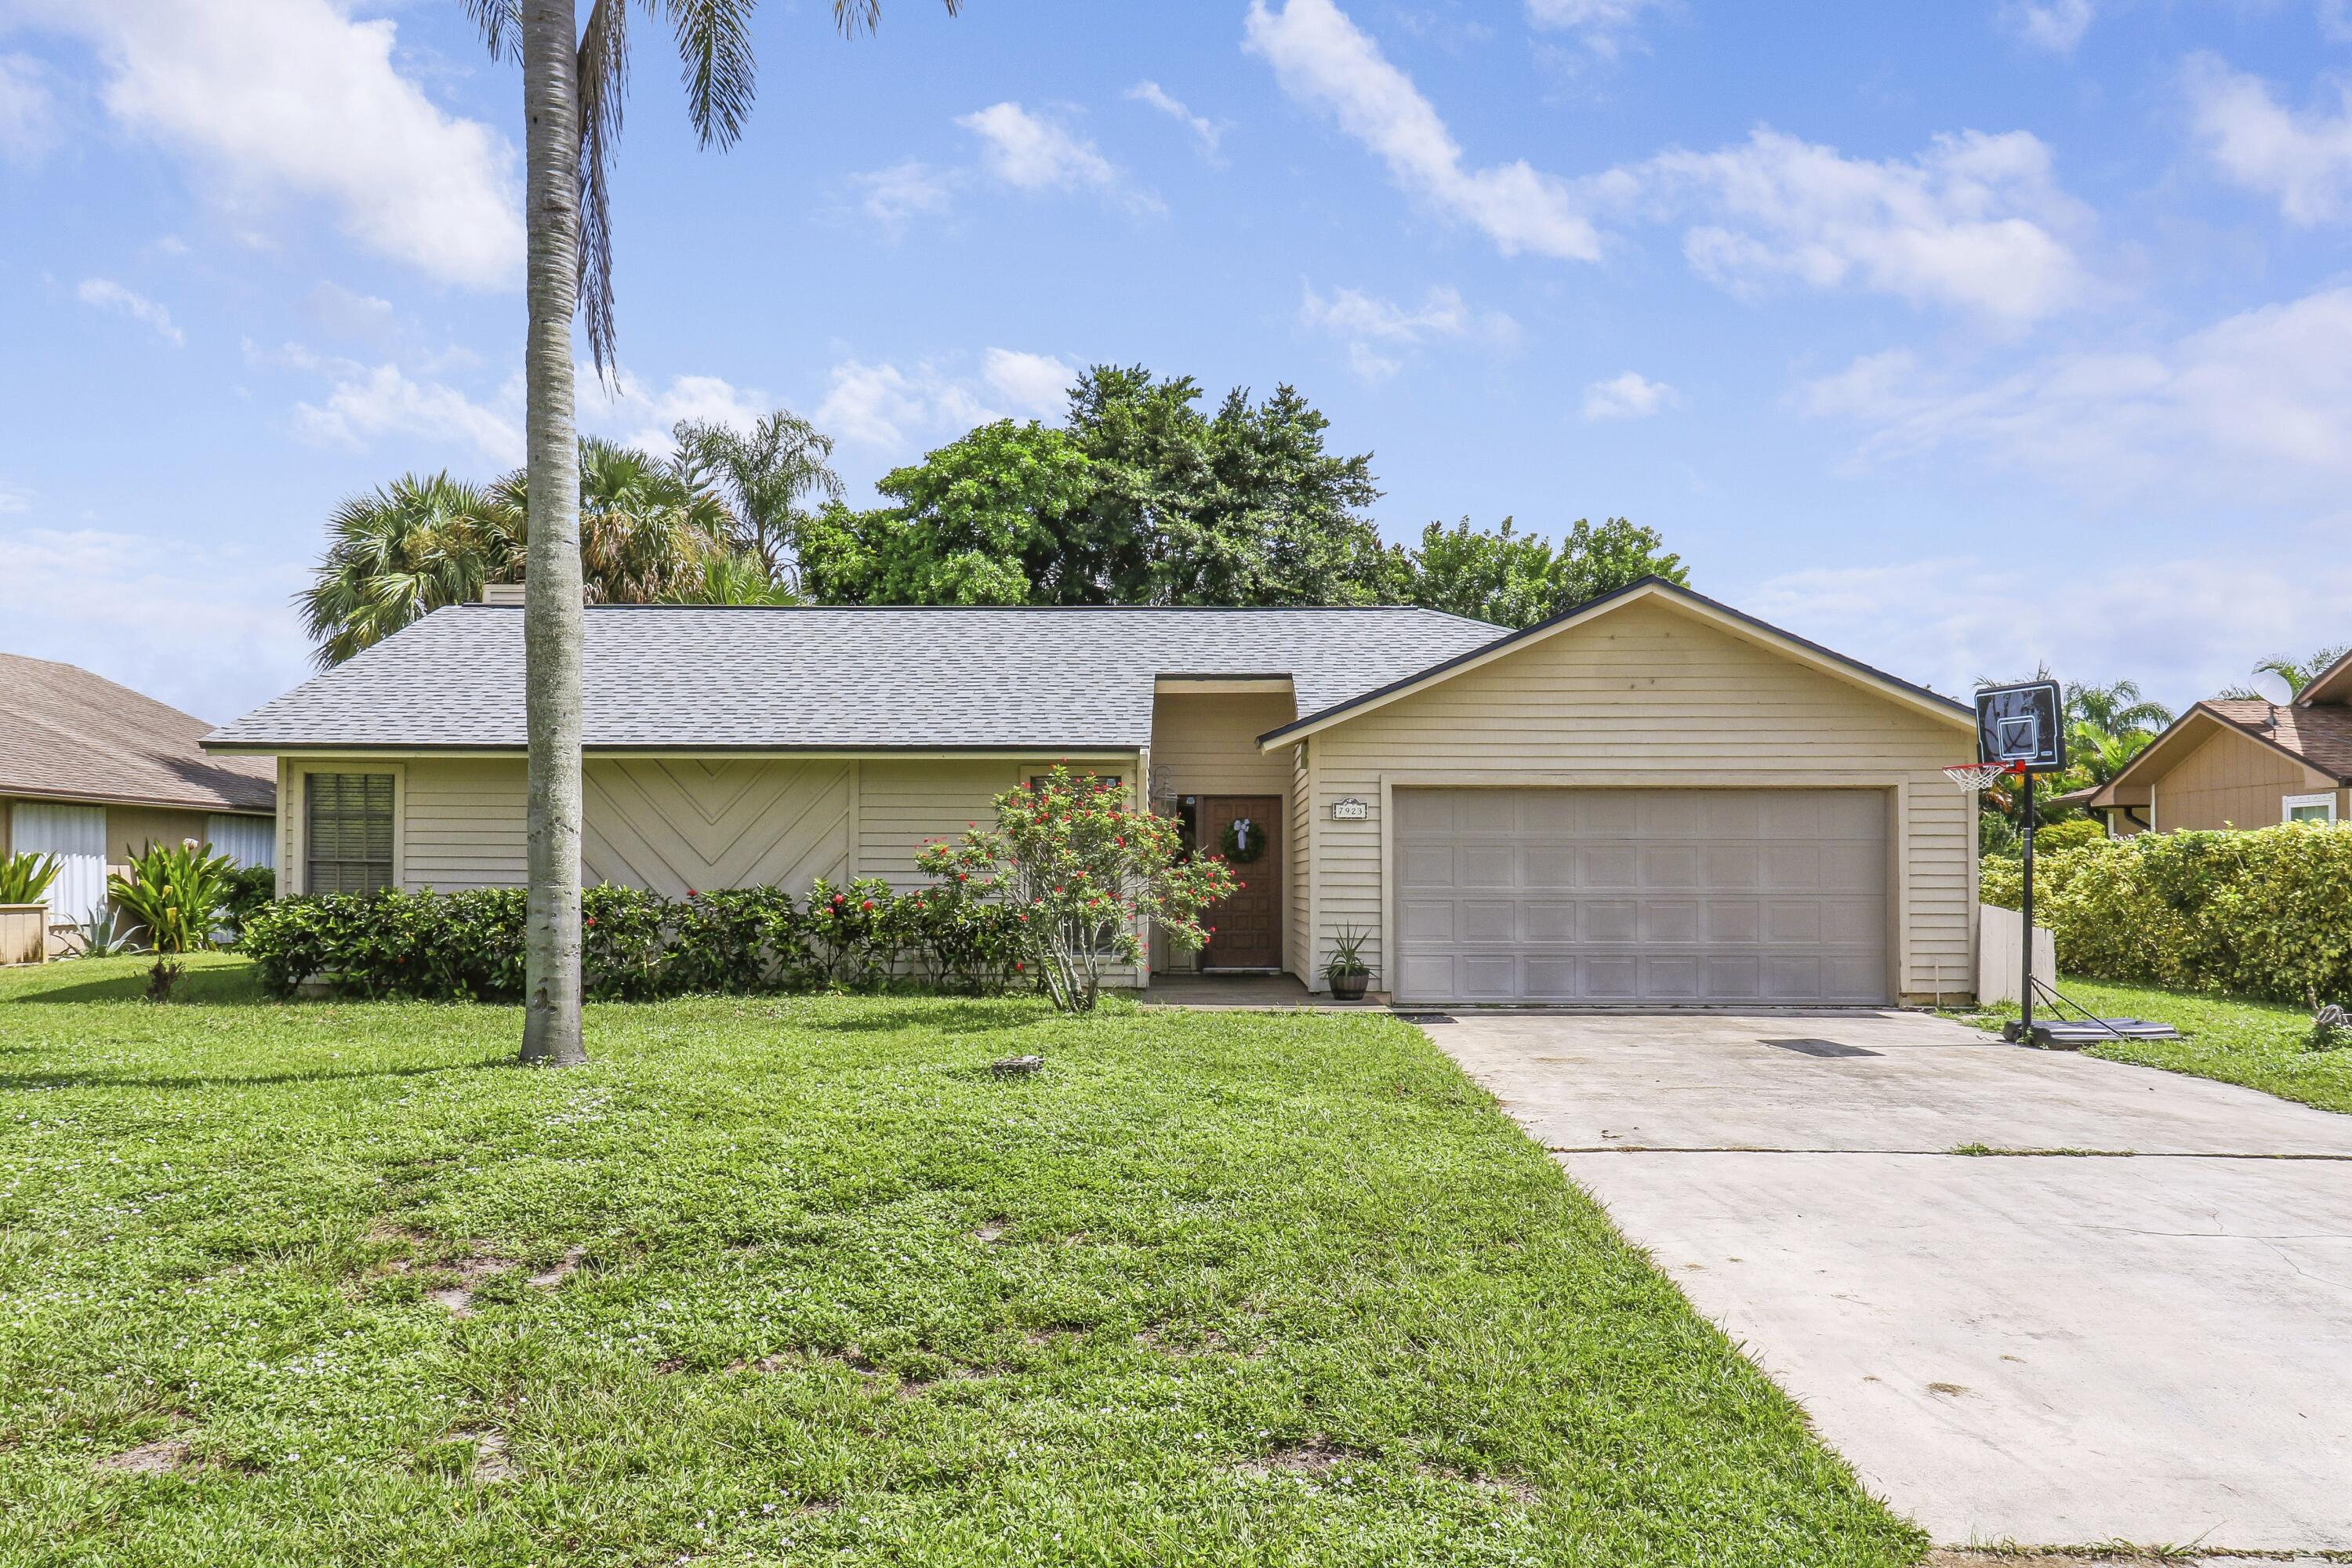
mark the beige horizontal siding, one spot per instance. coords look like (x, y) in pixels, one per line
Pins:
(1648, 695)
(1206, 742)
(462, 824)
(2231, 781)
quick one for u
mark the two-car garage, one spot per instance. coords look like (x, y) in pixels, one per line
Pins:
(1642, 896)
(1650, 801)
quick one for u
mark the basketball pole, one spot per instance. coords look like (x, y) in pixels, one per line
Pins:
(2025, 966)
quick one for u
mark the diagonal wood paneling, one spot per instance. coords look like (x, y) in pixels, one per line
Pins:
(669, 825)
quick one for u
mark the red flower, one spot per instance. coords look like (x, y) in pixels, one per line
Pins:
(591, 921)
(838, 901)
(692, 894)
(1018, 966)
(870, 904)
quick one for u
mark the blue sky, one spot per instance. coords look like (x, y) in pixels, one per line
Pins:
(1957, 336)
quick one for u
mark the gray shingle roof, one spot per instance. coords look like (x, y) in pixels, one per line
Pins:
(691, 677)
(67, 734)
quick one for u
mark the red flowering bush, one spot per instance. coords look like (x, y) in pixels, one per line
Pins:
(1084, 874)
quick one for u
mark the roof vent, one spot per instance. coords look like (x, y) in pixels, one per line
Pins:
(502, 594)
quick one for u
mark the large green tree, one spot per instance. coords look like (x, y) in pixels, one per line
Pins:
(1517, 579)
(1140, 499)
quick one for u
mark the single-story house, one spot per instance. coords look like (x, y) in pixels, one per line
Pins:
(93, 773)
(1650, 799)
(2242, 762)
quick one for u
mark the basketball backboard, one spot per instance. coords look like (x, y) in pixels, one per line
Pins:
(2023, 724)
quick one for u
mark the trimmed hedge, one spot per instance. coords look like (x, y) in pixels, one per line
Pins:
(2264, 913)
(636, 946)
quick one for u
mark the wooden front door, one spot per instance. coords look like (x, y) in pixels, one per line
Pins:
(1249, 924)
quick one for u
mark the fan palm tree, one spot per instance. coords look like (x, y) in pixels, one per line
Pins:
(404, 552)
(766, 472)
(646, 527)
(646, 532)
(573, 87)
(732, 577)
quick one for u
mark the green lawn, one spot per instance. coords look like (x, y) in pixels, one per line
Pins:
(2258, 1044)
(797, 1281)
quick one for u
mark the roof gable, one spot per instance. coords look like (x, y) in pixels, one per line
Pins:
(681, 678)
(2318, 737)
(1649, 590)
(2333, 684)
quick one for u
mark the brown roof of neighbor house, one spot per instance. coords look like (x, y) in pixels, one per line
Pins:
(2318, 736)
(67, 734)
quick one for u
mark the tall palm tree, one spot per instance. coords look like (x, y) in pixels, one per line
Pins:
(766, 472)
(573, 87)
(404, 552)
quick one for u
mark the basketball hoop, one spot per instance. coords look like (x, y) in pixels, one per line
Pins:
(1974, 777)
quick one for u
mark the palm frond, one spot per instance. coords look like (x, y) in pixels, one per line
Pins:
(603, 88)
(501, 25)
(714, 49)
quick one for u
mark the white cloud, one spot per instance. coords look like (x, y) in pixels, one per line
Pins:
(2053, 25)
(13, 498)
(131, 606)
(108, 295)
(280, 98)
(348, 313)
(2257, 407)
(643, 417)
(1602, 25)
(1973, 221)
(883, 406)
(905, 190)
(1031, 153)
(889, 408)
(368, 403)
(2303, 161)
(2184, 628)
(1035, 384)
(28, 126)
(1375, 329)
(1322, 58)
(1209, 131)
(1628, 396)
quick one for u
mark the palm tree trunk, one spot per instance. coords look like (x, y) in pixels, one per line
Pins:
(552, 616)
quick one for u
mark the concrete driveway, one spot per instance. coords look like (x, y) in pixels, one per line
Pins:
(2132, 1321)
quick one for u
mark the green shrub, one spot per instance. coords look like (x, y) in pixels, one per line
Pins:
(176, 892)
(2264, 913)
(2056, 838)
(250, 888)
(636, 946)
(24, 878)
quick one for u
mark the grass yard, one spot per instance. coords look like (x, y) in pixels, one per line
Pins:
(796, 1281)
(2257, 1044)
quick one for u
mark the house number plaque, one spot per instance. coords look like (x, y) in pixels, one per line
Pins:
(1350, 810)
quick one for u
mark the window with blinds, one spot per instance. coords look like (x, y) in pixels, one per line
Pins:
(347, 833)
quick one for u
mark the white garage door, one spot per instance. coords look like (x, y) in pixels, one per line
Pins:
(1641, 896)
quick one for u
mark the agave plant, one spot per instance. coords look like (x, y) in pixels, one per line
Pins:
(176, 892)
(24, 878)
(103, 934)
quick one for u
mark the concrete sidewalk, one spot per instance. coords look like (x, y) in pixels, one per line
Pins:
(2151, 1342)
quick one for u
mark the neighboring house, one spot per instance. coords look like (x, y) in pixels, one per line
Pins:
(94, 773)
(2242, 762)
(1653, 798)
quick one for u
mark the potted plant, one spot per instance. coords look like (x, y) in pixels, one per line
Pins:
(1346, 971)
